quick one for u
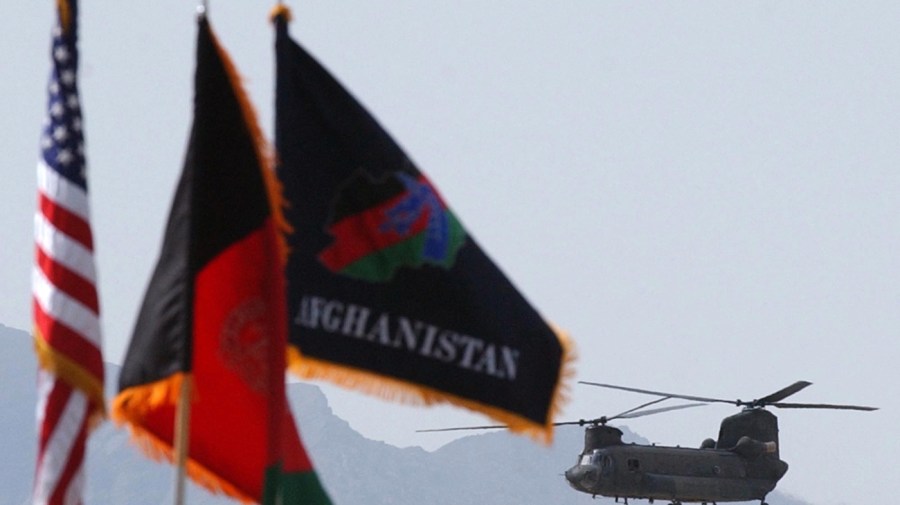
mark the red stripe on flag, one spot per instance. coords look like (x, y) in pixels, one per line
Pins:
(68, 281)
(56, 404)
(73, 465)
(68, 342)
(69, 223)
(238, 356)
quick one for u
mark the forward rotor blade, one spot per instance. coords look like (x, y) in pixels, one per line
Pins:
(580, 422)
(821, 406)
(658, 393)
(623, 415)
(660, 410)
(781, 394)
(491, 427)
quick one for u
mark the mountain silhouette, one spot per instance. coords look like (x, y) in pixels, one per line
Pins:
(492, 468)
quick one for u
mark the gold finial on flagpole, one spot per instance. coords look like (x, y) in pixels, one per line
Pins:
(65, 14)
(280, 10)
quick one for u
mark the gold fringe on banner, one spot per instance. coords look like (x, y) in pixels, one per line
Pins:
(396, 390)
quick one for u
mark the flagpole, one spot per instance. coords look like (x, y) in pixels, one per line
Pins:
(183, 407)
(182, 435)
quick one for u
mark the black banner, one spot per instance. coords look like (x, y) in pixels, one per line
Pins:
(384, 281)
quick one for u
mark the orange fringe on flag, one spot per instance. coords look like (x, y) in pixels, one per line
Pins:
(132, 405)
(264, 151)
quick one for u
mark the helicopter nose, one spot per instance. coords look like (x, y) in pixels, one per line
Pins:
(583, 477)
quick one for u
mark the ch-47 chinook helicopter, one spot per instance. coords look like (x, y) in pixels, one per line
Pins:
(743, 464)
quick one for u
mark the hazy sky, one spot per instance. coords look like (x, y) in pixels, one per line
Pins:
(705, 194)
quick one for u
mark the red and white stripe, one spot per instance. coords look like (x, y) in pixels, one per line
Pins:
(67, 324)
(62, 415)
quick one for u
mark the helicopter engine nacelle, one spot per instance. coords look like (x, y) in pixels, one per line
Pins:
(750, 448)
(599, 436)
(756, 424)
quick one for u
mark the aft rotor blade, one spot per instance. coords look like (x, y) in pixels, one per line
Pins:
(660, 410)
(821, 406)
(781, 394)
(658, 393)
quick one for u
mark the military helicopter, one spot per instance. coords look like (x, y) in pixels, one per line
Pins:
(743, 464)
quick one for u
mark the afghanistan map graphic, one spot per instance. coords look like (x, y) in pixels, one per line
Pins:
(381, 225)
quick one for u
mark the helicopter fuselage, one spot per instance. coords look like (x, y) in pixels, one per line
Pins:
(676, 474)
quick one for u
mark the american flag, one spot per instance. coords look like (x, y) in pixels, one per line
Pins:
(64, 297)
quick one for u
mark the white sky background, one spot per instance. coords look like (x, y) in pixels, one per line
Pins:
(705, 194)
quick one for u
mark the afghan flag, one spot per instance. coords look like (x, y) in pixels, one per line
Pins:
(387, 290)
(214, 315)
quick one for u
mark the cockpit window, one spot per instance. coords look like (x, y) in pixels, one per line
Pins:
(591, 459)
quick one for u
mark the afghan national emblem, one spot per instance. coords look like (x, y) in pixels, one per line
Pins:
(244, 339)
(381, 225)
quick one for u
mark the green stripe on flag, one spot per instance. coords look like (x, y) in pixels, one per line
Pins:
(296, 488)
